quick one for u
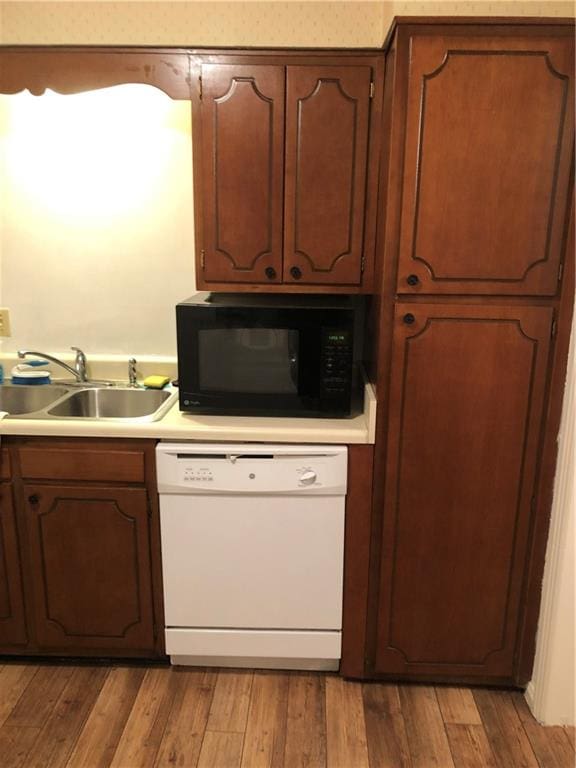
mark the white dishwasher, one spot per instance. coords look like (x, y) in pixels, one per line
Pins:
(252, 553)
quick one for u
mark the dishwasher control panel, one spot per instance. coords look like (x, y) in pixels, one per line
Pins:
(238, 468)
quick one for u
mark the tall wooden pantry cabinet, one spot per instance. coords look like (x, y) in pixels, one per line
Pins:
(476, 279)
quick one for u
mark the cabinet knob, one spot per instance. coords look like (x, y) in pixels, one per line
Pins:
(409, 318)
(412, 280)
(296, 273)
(34, 498)
(270, 273)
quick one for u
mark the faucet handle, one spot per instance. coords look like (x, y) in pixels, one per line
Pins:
(132, 375)
(80, 363)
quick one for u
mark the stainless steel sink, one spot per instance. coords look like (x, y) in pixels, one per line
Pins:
(49, 401)
(111, 404)
(20, 398)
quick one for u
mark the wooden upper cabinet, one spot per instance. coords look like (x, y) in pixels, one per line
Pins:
(489, 133)
(285, 199)
(327, 111)
(242, 170)
(466, 399)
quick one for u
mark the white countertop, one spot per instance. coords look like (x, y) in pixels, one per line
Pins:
(179, 426)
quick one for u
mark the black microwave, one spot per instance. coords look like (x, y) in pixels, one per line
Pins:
(270, 355)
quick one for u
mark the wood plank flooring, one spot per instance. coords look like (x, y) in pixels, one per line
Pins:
(92, 716)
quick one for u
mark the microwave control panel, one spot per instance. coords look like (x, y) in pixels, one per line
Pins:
(336, 363)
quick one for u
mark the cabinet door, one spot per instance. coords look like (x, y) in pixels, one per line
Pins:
(327, 110)
(242, 171)
(489, 137)
(12, 621)
(466, 403)
(90, 560)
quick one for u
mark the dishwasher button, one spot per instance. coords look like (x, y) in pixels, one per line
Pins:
(308, 477)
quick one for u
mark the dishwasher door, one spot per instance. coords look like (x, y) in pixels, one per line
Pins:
(252, 553)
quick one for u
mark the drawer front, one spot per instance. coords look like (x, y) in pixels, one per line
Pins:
(100, 463)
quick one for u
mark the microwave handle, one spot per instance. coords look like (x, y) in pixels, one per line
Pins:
(293, 360)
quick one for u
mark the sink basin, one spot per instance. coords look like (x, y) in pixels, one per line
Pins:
(113, 404)
(21, 398)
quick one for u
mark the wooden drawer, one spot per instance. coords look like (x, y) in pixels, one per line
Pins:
(101, 462)
(5, 468)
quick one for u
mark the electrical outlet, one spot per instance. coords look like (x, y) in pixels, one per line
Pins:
(4, 322)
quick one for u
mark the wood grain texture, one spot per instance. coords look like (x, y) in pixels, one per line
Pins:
(427, 739)
(242, 115)
(16, 742)
(327, 111)
(265, 737)
(14, 679)
(457, 706)
(385, 727)
(306, 722)
(221, 750)
(472, 134)
(141, 738)
(13, 630)
(230, 703)
(76, 70)
(346, 743)
(469, 746)
(356, 559)
(551, 745)
(5, 466)
(182, 739)
(453, 546)
(506, 735)
(103, 728)
(97, 461)
(40, 696)
(96, 538)
(158, 717)
(61, 730)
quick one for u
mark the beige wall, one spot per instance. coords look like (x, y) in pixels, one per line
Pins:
(318, 24)
(96, 220)
(350, 24)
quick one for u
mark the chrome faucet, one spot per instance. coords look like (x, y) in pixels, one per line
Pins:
(79, 370)
(132, 376)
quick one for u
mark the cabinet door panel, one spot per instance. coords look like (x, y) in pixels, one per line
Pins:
(466, 401)
(12, 621)
(327, 111)
(489, 133)
(90, 555)
(242, 169)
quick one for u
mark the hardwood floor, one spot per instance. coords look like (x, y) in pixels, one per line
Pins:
(130, 717)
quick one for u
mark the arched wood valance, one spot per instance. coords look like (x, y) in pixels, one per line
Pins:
(73, 70)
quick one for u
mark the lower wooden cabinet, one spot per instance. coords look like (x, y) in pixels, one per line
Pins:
(90, 563)
(80, 570)
(12, 616)
(466, 401)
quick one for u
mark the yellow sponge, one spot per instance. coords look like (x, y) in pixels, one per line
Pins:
(156, 382)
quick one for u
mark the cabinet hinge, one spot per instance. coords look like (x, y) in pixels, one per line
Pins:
(372, 89)
(553, 329)
(362, 264)
(560, 271)
(203, 258)
(200, 87)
